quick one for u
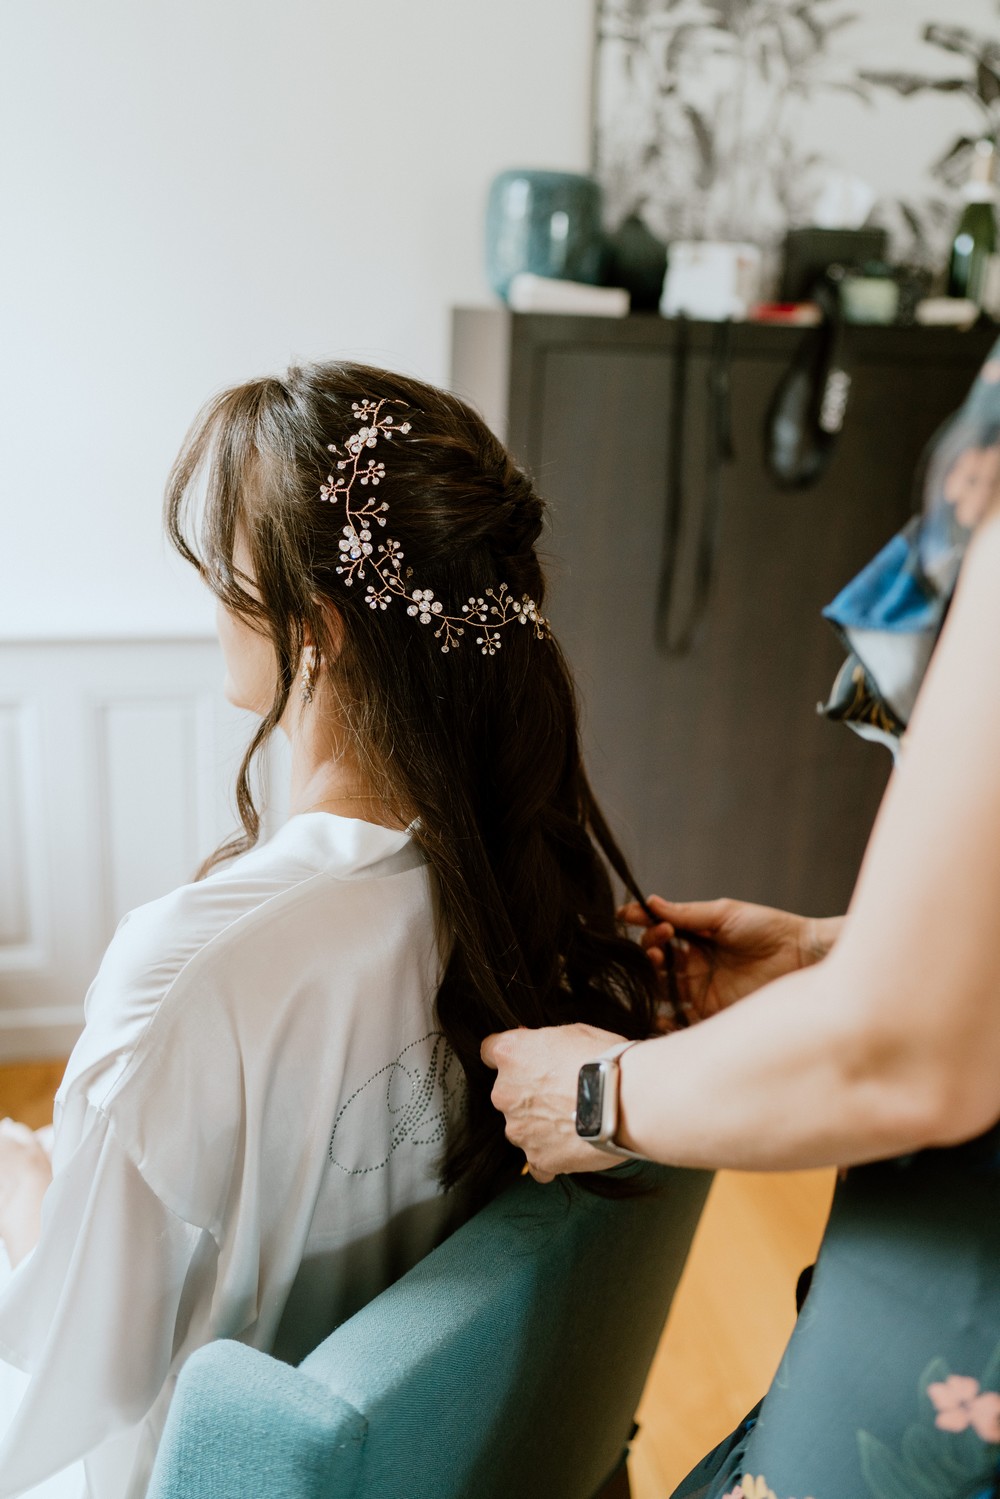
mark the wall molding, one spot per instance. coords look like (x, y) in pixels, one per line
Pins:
(118, 761)
(43, 1032)
(24, 932)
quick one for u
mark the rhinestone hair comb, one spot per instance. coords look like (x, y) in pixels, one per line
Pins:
(385, 558)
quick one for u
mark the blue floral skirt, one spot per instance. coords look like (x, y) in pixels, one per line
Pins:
(890, 1385)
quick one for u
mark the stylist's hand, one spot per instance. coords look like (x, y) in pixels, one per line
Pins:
(536, 1091)
(737, 947)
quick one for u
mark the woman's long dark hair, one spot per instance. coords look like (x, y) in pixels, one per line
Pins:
(483, 750)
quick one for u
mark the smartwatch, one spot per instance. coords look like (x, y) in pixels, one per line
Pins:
(597, 1102)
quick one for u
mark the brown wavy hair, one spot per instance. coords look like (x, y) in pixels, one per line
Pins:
(484, 751)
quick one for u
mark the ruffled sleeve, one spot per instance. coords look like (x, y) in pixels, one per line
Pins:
(890, 615)
(94, 1312)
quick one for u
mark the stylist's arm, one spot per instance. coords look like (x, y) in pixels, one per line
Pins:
(890, 1043)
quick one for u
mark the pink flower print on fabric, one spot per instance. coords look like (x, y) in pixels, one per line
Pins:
(751, 1488)
(960, 1403)
(755, 1488)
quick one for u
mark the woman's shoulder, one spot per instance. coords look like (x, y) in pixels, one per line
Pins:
(252, 932)
(294, 986)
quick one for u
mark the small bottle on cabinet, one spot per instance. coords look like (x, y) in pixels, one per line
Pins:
(975, 244)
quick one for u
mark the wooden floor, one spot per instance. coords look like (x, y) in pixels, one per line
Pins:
(731, 1317)
(27, 1090)
(730, 1320)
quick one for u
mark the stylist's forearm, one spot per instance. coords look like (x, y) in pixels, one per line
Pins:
(791, 1078)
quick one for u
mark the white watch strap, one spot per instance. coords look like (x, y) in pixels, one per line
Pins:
(610, 1147)
(614, 1052)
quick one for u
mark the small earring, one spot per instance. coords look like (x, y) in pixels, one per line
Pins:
(308, 677)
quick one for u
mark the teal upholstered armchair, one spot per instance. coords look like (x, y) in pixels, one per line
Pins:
(509, 1363)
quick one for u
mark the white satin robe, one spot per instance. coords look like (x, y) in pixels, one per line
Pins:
(245, 1144)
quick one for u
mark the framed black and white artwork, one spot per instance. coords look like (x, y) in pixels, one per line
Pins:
(737, 119)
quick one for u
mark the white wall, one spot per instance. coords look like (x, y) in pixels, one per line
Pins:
(197, 191)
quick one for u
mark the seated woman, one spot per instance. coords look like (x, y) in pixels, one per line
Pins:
(277, 1104)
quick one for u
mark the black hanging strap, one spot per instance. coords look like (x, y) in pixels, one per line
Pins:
(719, 451)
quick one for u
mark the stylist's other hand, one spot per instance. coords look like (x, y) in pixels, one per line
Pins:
(723, 950)
(535, 1090)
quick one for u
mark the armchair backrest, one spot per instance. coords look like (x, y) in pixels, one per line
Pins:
(509, 1362)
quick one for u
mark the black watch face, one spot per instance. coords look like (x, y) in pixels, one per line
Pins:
(589, 1100)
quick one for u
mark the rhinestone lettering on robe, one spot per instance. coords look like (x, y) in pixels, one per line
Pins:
(420, 1096)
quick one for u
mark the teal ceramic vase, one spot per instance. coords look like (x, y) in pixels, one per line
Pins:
(545, 222)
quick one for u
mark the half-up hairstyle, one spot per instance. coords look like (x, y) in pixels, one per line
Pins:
(482, 751)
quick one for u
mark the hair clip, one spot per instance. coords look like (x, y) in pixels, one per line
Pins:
(359, 551)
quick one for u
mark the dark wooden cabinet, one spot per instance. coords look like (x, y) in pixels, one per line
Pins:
(713, 766)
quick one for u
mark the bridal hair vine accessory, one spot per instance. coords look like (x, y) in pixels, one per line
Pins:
(385, 558)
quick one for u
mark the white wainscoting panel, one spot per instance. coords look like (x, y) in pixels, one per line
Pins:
(22, 911)
(141, 744)
(118, 762)
(14, 919)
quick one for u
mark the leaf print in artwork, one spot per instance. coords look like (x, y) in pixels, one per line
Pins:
(704, 134)
(729, 119)
(975, 81)
(960, 1403)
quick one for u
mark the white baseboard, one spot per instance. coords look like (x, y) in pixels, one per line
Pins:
(39, 1034)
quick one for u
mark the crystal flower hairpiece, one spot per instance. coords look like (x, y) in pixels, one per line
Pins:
(385, 558)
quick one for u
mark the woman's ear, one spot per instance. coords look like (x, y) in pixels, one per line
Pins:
(333, 622)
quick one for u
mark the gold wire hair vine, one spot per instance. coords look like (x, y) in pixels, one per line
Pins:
(385, 558)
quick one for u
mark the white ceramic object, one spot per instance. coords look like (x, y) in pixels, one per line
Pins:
(947, 312)
(530, 293)
(710, 279)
